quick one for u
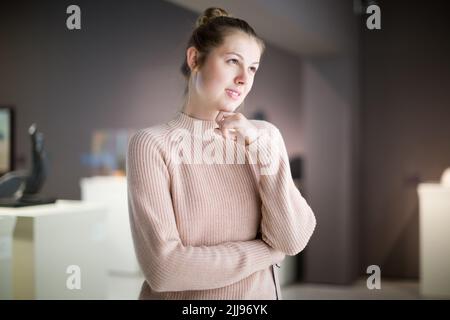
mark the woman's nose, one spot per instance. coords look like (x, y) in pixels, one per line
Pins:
(241, 78)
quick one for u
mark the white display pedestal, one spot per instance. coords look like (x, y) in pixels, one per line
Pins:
(6, 243)
(111, 191)
(434, 224)
(47, 239)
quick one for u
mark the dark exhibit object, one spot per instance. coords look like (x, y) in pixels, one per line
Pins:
(296, 165)
(259, 115)
(21, 188)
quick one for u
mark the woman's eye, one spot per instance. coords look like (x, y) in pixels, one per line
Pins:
(236, 61)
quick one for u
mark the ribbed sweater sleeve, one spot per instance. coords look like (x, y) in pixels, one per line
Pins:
(168, 264)
(287, 220)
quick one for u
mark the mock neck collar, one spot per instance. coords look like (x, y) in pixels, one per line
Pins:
(182, 120)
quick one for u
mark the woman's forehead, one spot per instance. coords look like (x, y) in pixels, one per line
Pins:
(243, 45)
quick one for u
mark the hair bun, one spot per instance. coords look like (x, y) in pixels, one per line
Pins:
(210, 14)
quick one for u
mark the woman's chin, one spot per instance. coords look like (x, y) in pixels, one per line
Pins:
(229, 107)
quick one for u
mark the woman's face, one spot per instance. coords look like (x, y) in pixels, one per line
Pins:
(228, 72)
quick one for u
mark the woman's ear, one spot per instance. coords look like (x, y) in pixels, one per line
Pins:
(192, 58)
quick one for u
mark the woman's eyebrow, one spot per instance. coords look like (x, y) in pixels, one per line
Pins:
(257, 62)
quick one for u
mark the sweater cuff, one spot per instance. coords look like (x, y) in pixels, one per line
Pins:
(264, 256)
(277, 256)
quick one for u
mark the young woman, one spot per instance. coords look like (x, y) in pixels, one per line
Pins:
(212, 203)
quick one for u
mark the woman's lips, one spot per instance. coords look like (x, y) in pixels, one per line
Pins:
(233, 94)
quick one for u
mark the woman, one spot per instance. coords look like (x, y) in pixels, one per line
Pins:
(212, 203)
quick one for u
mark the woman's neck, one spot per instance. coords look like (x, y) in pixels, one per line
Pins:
(197, 109)
(206, 115)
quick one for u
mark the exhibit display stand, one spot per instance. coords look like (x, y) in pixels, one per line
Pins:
(111, 191)
(58, 250)
(434, 232)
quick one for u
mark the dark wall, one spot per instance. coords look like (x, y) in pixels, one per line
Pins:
(120, 71)
(406, 128)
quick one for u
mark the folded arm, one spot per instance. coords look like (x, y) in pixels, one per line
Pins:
(287, 220)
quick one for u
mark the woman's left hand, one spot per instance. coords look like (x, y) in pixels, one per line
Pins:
(236, 126)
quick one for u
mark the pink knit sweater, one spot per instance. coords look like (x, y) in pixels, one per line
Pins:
(211, 217)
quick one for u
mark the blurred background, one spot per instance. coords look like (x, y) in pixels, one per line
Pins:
(365, 115)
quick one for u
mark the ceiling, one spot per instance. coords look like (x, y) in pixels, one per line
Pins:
(302, 27)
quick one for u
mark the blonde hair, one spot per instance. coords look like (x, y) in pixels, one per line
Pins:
(210, 14)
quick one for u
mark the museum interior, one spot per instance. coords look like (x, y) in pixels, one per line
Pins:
(359, 90)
